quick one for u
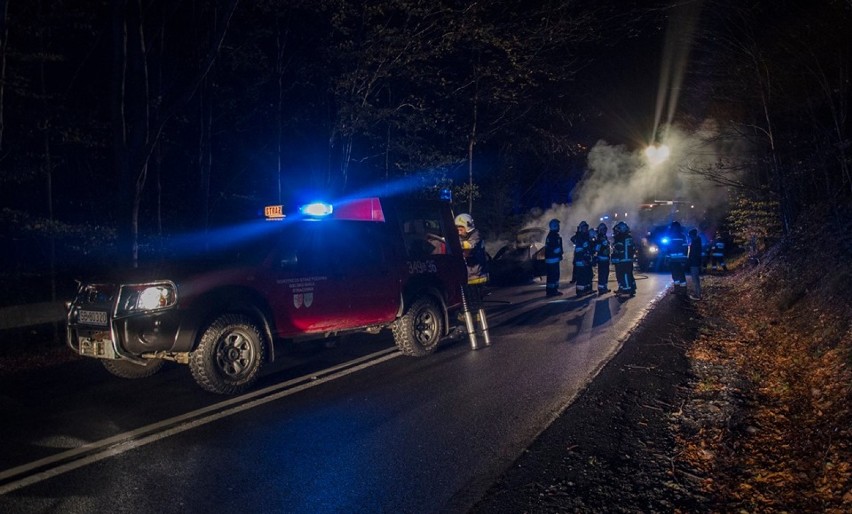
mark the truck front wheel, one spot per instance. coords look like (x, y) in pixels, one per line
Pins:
(419, 330)
(229, 356)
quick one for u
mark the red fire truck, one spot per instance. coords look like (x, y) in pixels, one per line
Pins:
(359, 265)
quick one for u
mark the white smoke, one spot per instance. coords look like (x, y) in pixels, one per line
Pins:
(620, 181)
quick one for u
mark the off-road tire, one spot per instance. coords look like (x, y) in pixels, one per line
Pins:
(419, 330)
(229, 356)
(127, 369)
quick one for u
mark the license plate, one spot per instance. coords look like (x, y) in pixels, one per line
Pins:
(92, 318)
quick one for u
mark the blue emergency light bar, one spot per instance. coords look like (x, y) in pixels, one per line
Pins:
(360, 209)
(317, 209)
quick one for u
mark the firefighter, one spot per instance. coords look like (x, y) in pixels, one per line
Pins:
(553, 258)
(676, 253)
(693, 260)
(623, 251)
(602, 256)
(476, 259)
(583, 251)
(474, 250)
(717, 253)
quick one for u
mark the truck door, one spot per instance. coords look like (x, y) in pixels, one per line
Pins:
(308, 297)
(368, 272)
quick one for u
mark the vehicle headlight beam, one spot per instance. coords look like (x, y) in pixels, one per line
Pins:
(139, 298)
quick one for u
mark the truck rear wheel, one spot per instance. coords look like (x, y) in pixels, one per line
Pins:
(419, 330)
(229, 356)
(127, 369)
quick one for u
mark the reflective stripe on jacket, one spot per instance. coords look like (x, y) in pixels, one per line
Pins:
(623, 249)
(603, 249)
(553, 247)
(582, 248)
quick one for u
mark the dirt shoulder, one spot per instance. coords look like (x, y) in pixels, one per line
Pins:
(612, 449)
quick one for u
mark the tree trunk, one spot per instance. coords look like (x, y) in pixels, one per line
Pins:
(279, 119)
(141, 131)
(204, 165)
(764, 82)
(4, 36)
(471, 144)
(130, 113)
(135, 132)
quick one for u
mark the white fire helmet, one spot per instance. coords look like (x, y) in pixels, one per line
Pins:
(466, 222)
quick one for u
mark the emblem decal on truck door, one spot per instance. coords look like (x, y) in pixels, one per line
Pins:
(305, 299)
(303, 289)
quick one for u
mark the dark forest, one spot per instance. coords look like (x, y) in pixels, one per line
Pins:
(123, 122)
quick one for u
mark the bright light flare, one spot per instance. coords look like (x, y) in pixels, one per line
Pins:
(656, 154)
(154, 298)
(317, 209)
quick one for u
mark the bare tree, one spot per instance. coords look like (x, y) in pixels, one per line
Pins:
(136, 131)
(829, 72)
(788, 98)
(4, 36)
(379, 50)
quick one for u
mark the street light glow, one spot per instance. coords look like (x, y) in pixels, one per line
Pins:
(657, 154)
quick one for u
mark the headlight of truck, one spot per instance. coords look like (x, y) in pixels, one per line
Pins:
(138, 298)
(653, 249)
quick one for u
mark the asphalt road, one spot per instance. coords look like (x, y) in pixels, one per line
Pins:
(355, 428)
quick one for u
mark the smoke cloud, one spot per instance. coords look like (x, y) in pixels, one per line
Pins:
(622, 185)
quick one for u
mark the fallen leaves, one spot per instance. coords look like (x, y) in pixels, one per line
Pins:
(795, 364)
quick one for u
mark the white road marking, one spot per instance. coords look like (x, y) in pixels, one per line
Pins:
(118, 444)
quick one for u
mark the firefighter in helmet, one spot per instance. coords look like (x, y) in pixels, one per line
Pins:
(602, 256)
(623, 251)
(583, 252)
(552, 258)
(474, 250)
(717, 253)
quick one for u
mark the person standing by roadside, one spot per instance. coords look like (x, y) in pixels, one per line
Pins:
(623, 251)
(553, 258)
(602, 255)
(717, 253)
(676, 253)
(583, 258)
(693, 260)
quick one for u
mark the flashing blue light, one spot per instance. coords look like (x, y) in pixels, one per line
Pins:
(317, 209)
(664, 240)
(446, 194)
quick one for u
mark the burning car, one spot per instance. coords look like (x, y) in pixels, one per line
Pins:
(521, 260)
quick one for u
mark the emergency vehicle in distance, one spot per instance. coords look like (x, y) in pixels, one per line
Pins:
(362, 265)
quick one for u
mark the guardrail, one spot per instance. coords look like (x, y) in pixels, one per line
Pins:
(18, 316)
